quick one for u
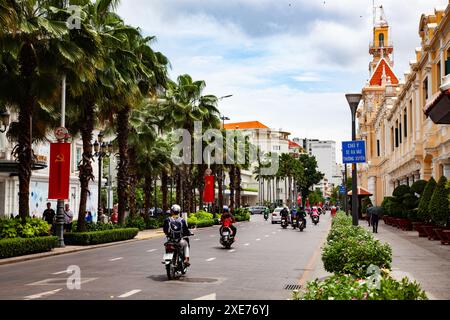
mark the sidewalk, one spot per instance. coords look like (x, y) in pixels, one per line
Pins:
(427, 262)
(142, 235)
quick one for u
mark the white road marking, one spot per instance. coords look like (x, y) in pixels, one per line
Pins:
(196, 239)
(151, 250)
(232, 250)
(274, 232)
(43, 294)
(129, 293)
(212, 235)
(210, 259)
(258, 239)
(247, 244)
(60, 272)
(266, 236)
(211, 296)
(115, 259)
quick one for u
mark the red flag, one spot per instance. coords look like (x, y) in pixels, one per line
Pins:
(58, 184)
(208, 192)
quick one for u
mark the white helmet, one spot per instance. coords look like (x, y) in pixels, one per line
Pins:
(175, 208)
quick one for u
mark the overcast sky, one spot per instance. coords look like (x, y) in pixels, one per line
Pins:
(287, 63)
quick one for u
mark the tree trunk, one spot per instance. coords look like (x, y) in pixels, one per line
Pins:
(85, 165)
(220, 189)
(122, 175)
(23, 150)
(133, 180)
(178, 190)
(187, 190)
(238, 181)
(164, 190)
(147, 193)
(232, 174)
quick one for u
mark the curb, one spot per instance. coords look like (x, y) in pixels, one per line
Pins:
(158, 234)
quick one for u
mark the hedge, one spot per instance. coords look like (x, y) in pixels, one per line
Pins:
(438, 206)
(13, 228)
(423, 213)
(22, 246)
(97, 237)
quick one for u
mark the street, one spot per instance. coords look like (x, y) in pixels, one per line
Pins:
(263, 262)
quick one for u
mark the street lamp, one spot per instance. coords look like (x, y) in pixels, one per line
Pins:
(102, 150)
(4, 121)
(353, 101)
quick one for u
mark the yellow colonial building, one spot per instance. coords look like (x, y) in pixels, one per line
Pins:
(404, 144)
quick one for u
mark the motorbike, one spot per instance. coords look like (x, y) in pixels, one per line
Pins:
(315, 218)
(173, 259)
(266, 216)
(300, 224)
(226, 237)
(284, 222)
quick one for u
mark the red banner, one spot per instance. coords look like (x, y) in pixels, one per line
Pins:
(299, 199)
(58, 184)
(208, 192)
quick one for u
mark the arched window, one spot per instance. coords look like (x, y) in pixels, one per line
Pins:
(381, 39)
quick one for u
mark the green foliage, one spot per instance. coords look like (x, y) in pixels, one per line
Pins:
(365, 203)
(21, 246)
(316, 197)
(386, 205)
(13, 228)
(347, 287)
(154, 223)
(400, 191)
(439, 205)
(97, 237)
(136, 222)
(351, 250)
(91, 226)
(423, 213)
(419, 187)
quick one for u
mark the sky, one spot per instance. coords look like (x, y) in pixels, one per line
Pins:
(287, 63)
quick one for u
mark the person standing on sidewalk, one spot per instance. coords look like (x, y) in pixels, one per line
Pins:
(68, 217)
(375, 214)
(368, 213)
(49, 216)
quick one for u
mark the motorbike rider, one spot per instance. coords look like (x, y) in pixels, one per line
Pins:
(175, 212)
(301, 215)
(293, 215)
(266, 213)
(227, 216)
(285, 213)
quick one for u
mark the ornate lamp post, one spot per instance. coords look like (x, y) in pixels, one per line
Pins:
(353, 101)
(102, 150)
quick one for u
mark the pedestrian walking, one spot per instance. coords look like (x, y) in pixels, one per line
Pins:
(115, 214)
(88, 217)
(368, 212)
(68, 218)
(375, 213)
(49, 216)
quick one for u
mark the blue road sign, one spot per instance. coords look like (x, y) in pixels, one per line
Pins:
(342, 190)
(354, 151)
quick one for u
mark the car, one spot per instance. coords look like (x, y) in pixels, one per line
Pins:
(276, 216)
(257, 209)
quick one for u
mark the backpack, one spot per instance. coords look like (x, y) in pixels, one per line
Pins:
(175, 228)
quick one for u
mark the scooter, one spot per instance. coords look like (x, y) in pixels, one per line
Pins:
(266, 216)
(284, 222)
(315, 218)
(226, 237)
(173, 258)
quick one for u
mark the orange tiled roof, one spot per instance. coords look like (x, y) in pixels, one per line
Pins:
(376, 79)
(245, 125)
(292, 145)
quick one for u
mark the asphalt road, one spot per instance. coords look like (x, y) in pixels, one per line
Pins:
(263, 261)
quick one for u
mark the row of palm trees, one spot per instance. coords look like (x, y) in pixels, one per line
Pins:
(115, 81)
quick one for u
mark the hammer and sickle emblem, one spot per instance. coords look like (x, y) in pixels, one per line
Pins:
(59, 158)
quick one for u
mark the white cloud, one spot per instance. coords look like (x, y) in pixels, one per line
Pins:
(266, 52)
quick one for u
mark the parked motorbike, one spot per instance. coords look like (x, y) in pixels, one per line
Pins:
(173, 259)
(226, 237)
(284, 222)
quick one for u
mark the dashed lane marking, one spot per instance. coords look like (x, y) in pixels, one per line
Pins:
(210, 259)
(211, 296)
(232, 250)
(41, 295)
(129, 293)
(115, 259)
(151, 250)
(60, 272)
(247, 244)
(258, 239)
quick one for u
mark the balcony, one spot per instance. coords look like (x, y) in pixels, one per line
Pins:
(375, 47)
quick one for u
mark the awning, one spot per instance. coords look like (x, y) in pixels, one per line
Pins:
(361, 192)
(12, 167)
(439, 108)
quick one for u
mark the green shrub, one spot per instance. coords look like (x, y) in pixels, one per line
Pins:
(351, 250)
(418, 187)
(202, 215)
(400, 191)
(91, 226)
(423, 213)
(438, 206)
(13, 228)
(346, 287)
(386, 205)
(135, 222)
(152, 223)
(20, 246)
(205, 223)
(97, 237)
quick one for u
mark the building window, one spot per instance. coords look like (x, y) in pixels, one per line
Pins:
(400, 132)
(392, 138)
(381, 40)
(447, 63)
(411, 116)
(405, 123)
(438, 75)
(396, 137)
(77, 158)
(378, 148)
(276, 148)
(425, 91)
